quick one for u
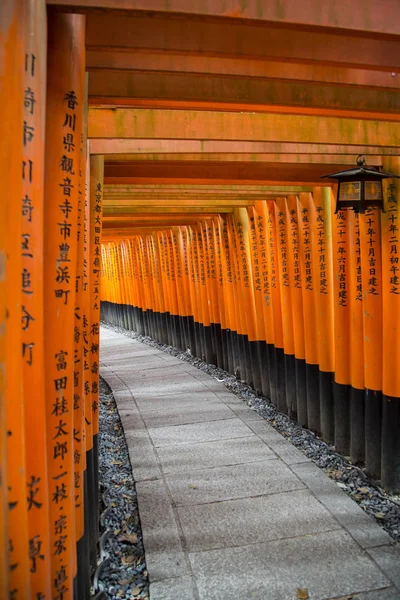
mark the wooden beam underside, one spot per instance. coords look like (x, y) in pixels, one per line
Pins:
(202, 105)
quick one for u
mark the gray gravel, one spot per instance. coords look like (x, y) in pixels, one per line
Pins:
(122, 572)
(384, 507)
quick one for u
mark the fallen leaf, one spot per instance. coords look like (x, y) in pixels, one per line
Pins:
(192, 486)
(128, 560)
(124, 581)
(116, 462)
(379, 515)
(302, 594)
(135, 591)
(129, 537)
(363, 490)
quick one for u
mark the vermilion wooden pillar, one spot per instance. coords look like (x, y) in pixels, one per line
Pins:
(15, 284)
(65, 100)
(32, 317)
(96, 207)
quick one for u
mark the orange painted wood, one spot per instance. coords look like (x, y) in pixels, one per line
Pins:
(372, 247)
(96, 202)
(356, 303)
(227, 39)
(305, 14)
(33, 318)
(14, 286)
(130, 123)
(65, 99)
(323, 264)
(341, 300)
(390, 283)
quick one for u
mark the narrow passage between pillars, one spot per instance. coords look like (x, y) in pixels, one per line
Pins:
(297, 301)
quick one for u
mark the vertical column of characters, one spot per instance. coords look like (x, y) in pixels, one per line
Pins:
(124, 280)
(277, 359)
(191, 299)
(211, 272)
(231, 361)
(252, 347)
(297, 278)
(266, 313)
(173, 288)
(127, 277)
(184, 285)
(356, 391)
(209, 254)
(341, 285)
(391, 329)
(14, 546)
(158, 287)
(323, 264)
(164, 286)
(308, 395)
(83, 577)
(196, 288)
(65, 97)
(32, 301)
(366, 406)
(356, 305)
(217, 241)
(286, 294)
(180, 291)
(86, 377)
(210, 349)
(237, 297)
(256, 264)
(147, 285)
(133, 284)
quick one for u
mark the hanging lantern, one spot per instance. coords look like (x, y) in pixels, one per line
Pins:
(359, 188)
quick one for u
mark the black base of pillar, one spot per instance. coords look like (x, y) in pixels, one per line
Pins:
(255, 353)
(327, 408)
(290, 385)
(341, 396)
(265, 371)
(313, 398)
(391, 444)
(301, 391)
(357, 425)
(280, 380)
(373, 433)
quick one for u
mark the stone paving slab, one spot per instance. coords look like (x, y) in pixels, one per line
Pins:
(192, 414)
(328, 565)
(253, 520)
(226, 483)
(199, 432)
(230, 510)
(191, 457)
(181, 400)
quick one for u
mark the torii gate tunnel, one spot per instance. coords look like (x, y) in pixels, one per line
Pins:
(161, 163)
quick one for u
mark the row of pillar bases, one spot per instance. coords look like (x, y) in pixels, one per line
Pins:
(361, 424)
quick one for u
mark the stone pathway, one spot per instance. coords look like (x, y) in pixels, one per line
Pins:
(229, 509)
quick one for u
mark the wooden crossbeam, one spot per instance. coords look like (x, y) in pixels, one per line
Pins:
(200, 125)
(348, 159)
(210, 92)
(139, 33)
(367, 16)
(121, 146)
(99, 60)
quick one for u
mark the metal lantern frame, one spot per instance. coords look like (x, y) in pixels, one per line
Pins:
(360, 188)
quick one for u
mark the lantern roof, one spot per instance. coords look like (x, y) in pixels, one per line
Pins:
(362, 169)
